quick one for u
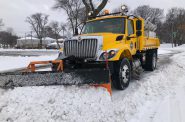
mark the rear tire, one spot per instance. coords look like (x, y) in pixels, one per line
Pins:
(151, 60)
(122, 74)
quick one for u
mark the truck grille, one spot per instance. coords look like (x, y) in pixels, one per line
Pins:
(86, 48)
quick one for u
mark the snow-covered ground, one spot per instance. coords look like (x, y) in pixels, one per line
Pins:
(157, 97)
(8, 63)
(30, 50)
(11, 59)
(164, 94)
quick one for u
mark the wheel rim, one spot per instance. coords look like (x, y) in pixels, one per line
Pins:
(125, 73)
(154, 61)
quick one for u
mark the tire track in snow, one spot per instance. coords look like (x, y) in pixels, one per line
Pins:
(148, 88)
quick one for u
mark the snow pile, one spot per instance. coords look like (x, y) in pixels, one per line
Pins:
(162, 88)
(162, 51)
(168, 47)
(56, 104)
(172, 108)
(180, 48)
(179, 59)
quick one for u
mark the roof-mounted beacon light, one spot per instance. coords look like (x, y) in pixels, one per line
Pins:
(90, 13)
(124, 9)
(106, 12)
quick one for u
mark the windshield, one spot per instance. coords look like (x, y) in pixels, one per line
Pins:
(113, 25)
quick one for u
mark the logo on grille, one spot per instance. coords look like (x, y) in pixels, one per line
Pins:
(79, 39)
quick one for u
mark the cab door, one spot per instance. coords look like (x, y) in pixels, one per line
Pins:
(131, 36)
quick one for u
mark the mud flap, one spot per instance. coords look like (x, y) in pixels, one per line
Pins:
(97, 77)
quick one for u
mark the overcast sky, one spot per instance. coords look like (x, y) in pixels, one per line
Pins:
(14, 12)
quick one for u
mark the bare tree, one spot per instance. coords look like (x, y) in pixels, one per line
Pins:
(175, 26)
(63, 27)
(90, 6)
(1, 23)
(180, 27)
(154, 15)
(73, 9)
(57, 28)
(7, 39)
(10, 30)
(38, 23)
(49, 32)
(143, 11)
(170, 24)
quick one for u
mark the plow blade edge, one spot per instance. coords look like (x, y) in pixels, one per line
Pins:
(75, 77)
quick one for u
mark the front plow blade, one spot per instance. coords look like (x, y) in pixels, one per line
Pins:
(97, 77)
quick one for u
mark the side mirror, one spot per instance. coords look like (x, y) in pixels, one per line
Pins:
(76, 31)
(128, 38)
(138, 33)
(138, 25)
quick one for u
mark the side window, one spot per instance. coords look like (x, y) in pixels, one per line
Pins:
(130, 27)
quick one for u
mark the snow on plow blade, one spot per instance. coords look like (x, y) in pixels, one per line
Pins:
(97, 77)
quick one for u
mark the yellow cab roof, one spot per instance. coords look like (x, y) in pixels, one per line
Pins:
(106, 17)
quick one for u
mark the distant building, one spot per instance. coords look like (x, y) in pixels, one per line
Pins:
(48, 40)
(32, 43)
(61, 40)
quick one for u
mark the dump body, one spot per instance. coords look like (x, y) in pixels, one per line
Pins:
(150, 43)
(146, 41)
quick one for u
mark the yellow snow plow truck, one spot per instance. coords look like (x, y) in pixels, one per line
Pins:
(107, 50)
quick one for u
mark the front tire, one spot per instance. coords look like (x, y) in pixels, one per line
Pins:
(122, 74)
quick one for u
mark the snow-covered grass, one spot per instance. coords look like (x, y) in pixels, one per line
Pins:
(11, 63)
(166, 45)
(153, 98)
(11, 59)
(169, 47)
(32, 50)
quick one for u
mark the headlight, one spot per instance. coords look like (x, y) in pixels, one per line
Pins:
(103, 56)
(111, 54)
(108, 55)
